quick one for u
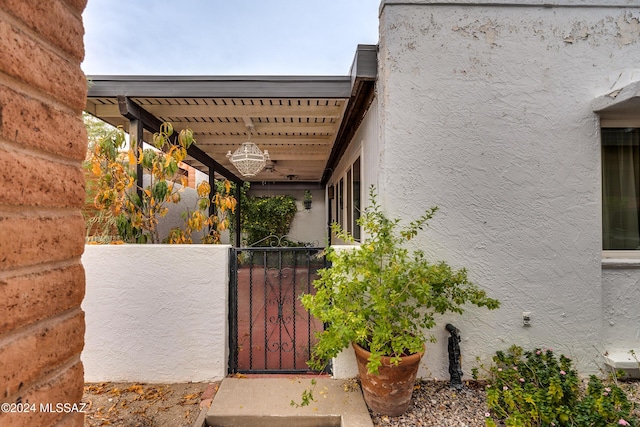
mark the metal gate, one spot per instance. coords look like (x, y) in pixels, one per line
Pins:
(270, 331)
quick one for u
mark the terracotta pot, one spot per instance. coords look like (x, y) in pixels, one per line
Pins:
(389, 392)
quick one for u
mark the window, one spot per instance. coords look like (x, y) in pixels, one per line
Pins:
(356, 198)
(620, 188)
(340, 206)
(348, 200)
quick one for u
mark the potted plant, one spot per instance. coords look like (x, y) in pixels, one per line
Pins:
(381, 298)
(307, 199)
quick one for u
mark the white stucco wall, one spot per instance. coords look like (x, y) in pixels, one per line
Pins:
(621, 300)
(364, 145)
(485, 111)
(155, 313)
(309, 226)
(368, 135)
(173, 218)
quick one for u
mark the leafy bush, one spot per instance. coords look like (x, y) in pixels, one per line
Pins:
(534, 388)
(383, 296)
(265, 220)
(267, 215)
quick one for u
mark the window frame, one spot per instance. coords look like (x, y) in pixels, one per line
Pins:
(345, 199)
(608, 255)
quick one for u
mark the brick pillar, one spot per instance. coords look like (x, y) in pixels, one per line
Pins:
(42, 145)
(191, 171)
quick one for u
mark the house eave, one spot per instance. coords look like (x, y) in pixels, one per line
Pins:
(305, 122)
(220, 86)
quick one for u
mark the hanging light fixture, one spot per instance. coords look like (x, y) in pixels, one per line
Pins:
(248, 158)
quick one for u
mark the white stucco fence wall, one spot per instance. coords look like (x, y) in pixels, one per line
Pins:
(156, 313)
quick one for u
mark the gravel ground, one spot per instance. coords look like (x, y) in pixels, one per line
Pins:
(435, 404)
(151, 405)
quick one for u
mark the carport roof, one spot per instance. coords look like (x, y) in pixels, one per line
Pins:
(305, 122)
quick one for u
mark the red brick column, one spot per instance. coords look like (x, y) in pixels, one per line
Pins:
(42, 145)
(191, 171)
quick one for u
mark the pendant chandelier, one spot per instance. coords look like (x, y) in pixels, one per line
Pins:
(248, 158)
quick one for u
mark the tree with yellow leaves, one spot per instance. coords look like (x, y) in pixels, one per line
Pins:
(138, 209)
(198, 220)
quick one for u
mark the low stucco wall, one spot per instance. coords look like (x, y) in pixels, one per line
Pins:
(156, 313)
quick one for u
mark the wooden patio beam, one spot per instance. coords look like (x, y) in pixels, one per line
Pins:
(133, 111)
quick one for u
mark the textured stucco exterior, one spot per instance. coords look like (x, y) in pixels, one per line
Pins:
(156, 313)
(620, 299)
(485, 111)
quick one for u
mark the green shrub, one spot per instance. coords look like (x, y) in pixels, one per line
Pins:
(265, 216)
(534, 388)
(382, 295)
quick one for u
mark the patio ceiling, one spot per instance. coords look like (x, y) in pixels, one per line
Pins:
(304, 121)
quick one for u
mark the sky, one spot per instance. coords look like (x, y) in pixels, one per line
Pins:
(226, 37)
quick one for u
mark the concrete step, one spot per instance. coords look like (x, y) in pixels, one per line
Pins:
(266, 402)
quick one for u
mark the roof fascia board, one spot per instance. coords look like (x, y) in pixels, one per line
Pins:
(358, 106)
(365, 64)
(364, 72)
(220, 86)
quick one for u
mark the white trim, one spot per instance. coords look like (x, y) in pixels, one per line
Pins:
(621, 255)
(620, 259)
(620, 122)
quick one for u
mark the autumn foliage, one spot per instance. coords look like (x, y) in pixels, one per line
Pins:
(132, 211)
(198, 219)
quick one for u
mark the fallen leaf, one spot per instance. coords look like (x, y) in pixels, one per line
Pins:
(191, 396)
(136, 388)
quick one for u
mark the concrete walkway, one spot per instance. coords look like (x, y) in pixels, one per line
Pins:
(265, 402)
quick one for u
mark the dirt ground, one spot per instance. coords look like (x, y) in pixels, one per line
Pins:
(145, 405)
